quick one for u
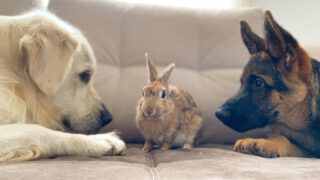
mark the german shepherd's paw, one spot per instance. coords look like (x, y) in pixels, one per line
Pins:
(259, 147)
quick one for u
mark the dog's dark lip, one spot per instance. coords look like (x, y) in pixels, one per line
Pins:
(86, 131)
(235, 127)
(239, 127)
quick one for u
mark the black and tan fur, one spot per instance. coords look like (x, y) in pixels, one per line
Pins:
(279, 89)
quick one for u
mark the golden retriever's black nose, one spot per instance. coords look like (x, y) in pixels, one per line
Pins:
(105, 116)
(223, 114)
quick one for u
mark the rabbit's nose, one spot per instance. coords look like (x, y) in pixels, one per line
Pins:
(149, 111)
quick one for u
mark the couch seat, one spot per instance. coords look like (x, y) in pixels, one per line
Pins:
(205, 162)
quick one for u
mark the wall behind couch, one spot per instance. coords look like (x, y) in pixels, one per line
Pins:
(301, 18)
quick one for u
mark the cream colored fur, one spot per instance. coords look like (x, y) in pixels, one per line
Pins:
(41, 57)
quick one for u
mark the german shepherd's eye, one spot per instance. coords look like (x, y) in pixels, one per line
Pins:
(163, 94)
(259, 84)
(85, 76)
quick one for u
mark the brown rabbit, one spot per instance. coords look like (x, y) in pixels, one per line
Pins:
(166, 115)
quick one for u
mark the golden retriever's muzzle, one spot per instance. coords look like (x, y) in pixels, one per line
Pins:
(93, 122)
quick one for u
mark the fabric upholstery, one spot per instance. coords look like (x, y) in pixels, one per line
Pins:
(206, 162)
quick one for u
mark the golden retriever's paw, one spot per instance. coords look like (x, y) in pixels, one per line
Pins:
(259, 147)
(113, 144)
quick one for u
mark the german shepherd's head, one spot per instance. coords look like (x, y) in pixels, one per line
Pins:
(274, 82)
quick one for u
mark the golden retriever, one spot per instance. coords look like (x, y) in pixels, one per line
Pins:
(46, 91)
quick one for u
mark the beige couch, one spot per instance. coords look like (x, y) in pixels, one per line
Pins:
(209, 54)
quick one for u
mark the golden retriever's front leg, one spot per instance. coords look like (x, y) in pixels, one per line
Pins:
(108, 144)
(23, 142)
(275, 146)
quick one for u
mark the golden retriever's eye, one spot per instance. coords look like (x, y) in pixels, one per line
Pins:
(85, 76)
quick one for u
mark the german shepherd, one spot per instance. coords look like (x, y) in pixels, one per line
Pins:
(280, 90)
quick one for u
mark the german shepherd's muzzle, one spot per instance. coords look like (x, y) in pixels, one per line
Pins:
(279, 89)
(241, 113)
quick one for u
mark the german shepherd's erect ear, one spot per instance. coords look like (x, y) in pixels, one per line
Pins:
(253, 42)
(285, 49)
(280, 43)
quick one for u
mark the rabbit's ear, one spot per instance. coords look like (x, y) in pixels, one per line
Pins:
(153, 74)
(166, 73)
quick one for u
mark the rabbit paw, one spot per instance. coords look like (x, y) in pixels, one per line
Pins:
(147, 147)
(187, 147)
(165, 147)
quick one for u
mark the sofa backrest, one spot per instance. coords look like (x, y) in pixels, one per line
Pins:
(14, 7)
(205, 45)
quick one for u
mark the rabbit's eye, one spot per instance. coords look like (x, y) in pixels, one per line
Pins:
(163, 94)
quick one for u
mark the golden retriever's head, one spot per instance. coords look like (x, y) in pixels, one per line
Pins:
(60, 65)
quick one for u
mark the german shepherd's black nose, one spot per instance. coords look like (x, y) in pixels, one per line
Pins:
(223, 114)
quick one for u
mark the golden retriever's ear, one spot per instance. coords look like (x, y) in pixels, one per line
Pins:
(48, 52)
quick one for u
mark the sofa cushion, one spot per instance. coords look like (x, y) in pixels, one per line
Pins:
(206, 162)
(205, 45)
